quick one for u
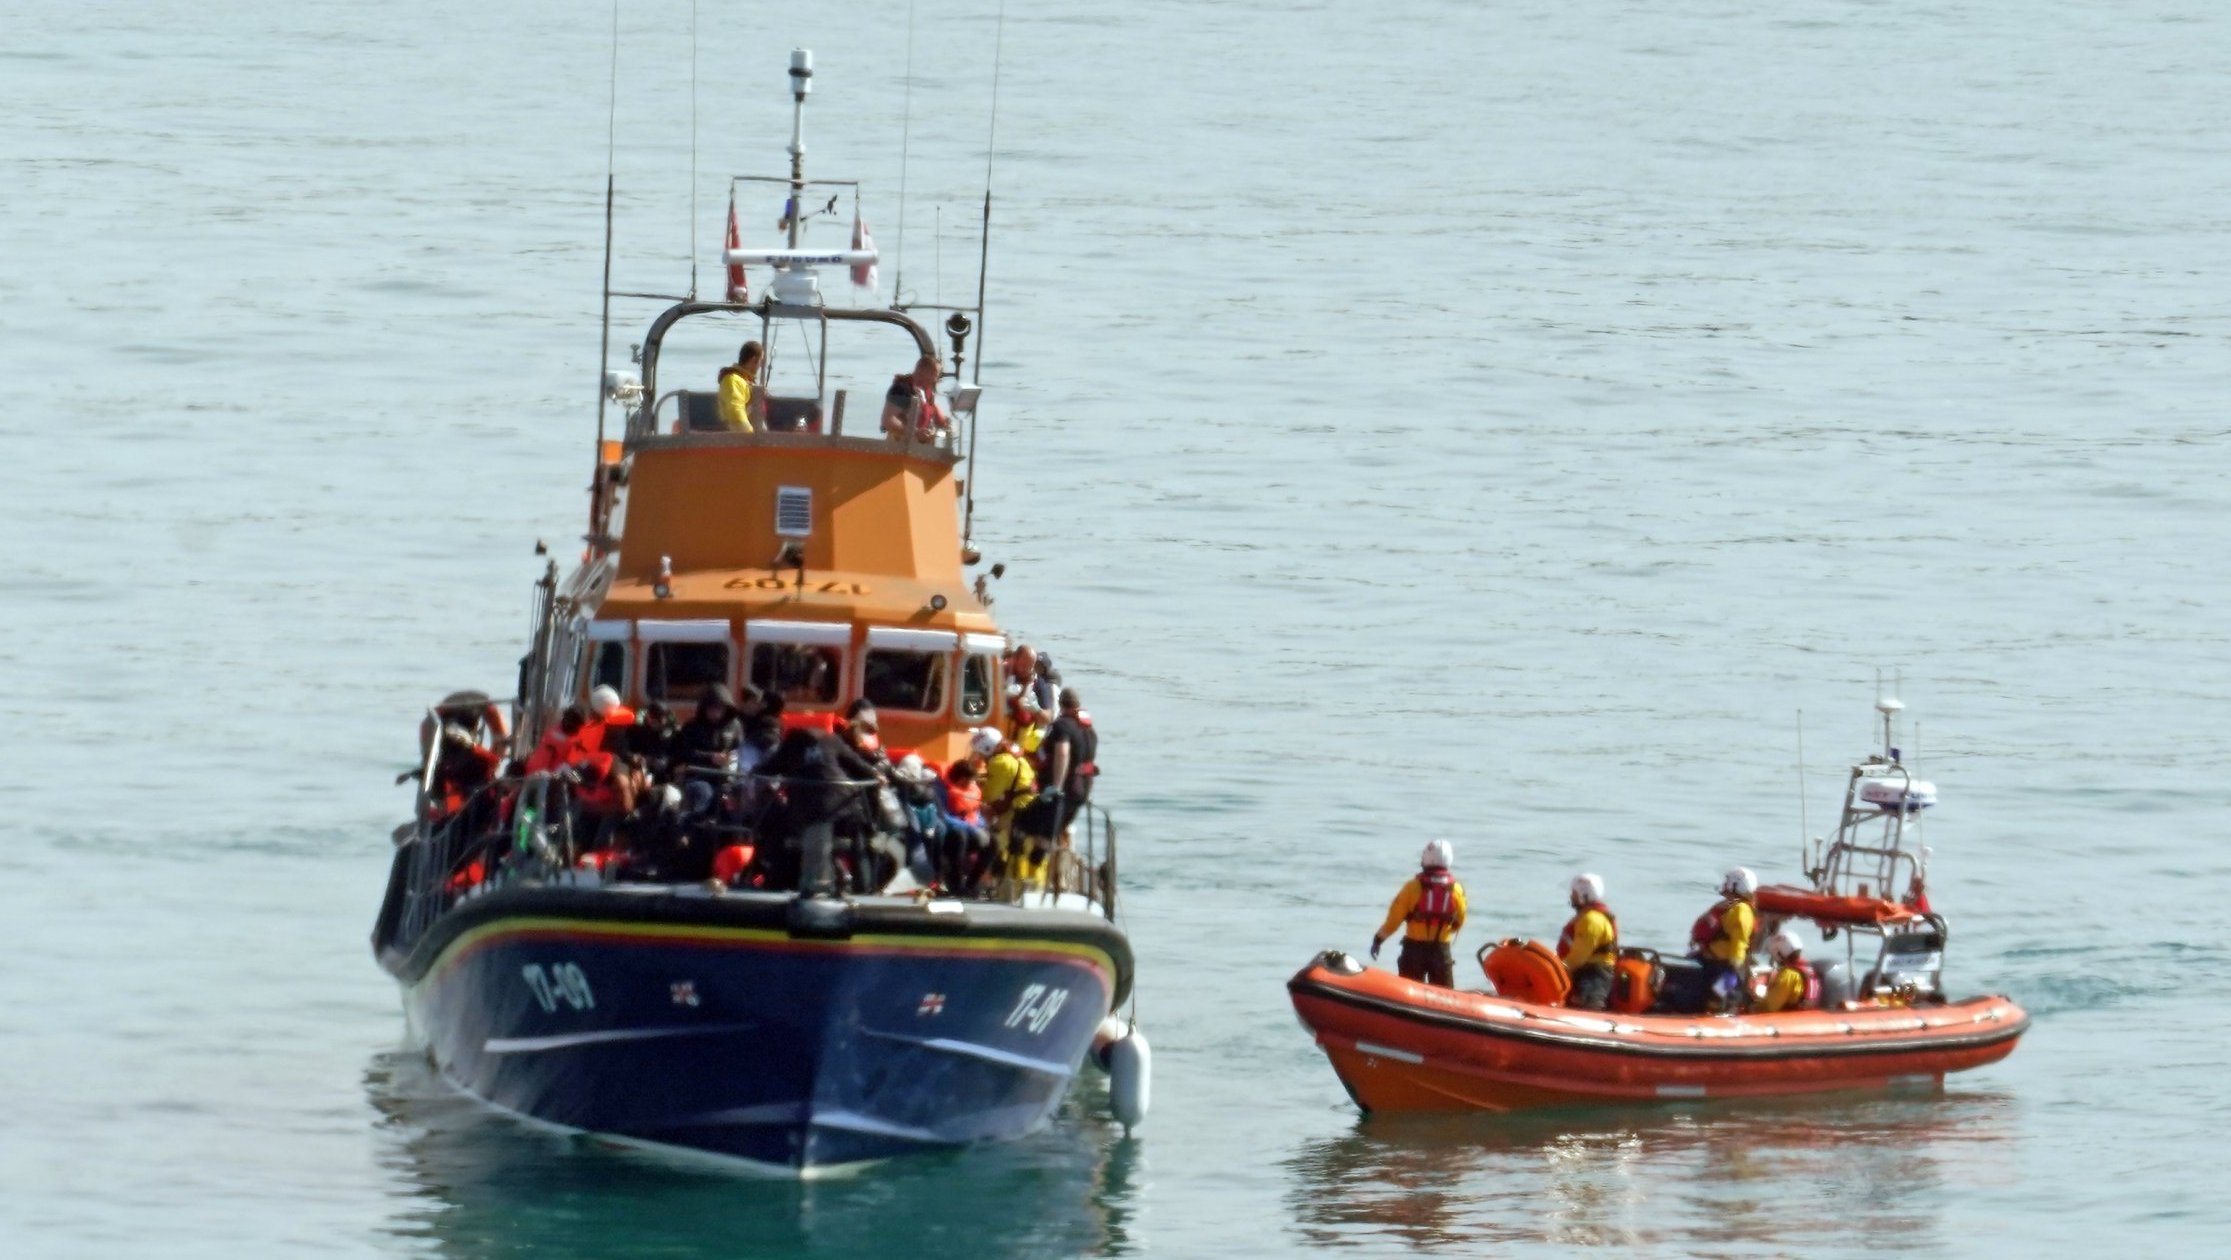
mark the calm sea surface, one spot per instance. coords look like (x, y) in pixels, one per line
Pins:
(1409, 419)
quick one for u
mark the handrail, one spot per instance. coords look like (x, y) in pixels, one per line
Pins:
(536, 841)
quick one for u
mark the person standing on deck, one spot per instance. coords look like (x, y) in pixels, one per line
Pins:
(1068, 751)
(1429, 910)
(736, 388)
(1590, 945)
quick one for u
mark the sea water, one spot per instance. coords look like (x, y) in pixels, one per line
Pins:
(1497, 422)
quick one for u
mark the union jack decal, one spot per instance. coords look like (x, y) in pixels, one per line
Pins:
(684, 992)
(932, 1004)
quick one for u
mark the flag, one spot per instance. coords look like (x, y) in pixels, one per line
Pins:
(739, 285)
(863, 274)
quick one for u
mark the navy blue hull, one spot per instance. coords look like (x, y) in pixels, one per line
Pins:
(749, 1042)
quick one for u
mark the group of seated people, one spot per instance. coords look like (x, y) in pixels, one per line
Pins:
(739, 792)
(911, 412)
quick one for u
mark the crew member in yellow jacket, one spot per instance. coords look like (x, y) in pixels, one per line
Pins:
(1721, 939)
(1795, 986)
(1590, 945)
(1010, 787)
(1429, 910)
(735, 388)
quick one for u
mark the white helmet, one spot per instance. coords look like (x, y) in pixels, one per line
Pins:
(1784, 946)
(1437, 853)
(984, 742)
(1739, 882)
(603, 700)
(1587, 888)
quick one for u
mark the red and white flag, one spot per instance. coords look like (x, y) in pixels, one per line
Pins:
(739, 285)
(863, 274)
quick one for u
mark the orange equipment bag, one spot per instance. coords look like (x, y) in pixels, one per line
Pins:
(1635, 980)
(1527, 971)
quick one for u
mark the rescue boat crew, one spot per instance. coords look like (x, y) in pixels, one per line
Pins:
(1589, 945)
(1010, 786)
(1429, 910)
(1795, 986)
(1721, 939)
(735, 388)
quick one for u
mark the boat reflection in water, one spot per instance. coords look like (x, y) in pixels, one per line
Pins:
(1797, 1174)
(474, 1185)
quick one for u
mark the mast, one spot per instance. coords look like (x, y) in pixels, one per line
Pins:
(801, 82)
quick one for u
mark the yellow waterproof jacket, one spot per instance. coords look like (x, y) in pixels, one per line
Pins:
(735, 401)
(1785, 993)
(1733, 944)
(1590, 939)
(1403, 913)
(1009, 784)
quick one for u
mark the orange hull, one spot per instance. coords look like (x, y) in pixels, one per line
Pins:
(1402, 1046)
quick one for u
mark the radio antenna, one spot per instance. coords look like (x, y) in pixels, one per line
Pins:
(906, 136)
(692, 150)
(984, 248)
(611, 138)
(1804, 825)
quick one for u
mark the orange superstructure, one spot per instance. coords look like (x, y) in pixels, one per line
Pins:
(823, 565)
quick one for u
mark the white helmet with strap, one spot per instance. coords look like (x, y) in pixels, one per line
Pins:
(1438, 853)
(1739, 882)
(1587, 888)
(1784, 946)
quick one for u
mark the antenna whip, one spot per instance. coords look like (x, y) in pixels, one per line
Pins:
(984, 255)
(692, 150)
(611, 139)
(906, 135)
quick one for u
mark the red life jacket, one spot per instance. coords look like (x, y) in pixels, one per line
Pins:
(1436, 907)
(1565, 941)
(1710, 926)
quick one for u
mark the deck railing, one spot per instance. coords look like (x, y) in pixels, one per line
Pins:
(538, 842)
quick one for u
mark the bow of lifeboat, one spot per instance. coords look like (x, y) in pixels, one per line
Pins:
(1402, 1046)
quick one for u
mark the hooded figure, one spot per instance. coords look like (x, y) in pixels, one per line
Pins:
(708, 741)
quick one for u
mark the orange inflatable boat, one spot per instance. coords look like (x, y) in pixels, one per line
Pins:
(1402, 1046)
(1882, 1019)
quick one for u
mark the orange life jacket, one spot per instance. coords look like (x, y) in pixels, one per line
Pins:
(554, 751)
(1436, 907)
(964, 801)
(1565, 939)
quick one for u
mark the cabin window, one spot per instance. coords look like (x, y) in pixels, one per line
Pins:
(608, 667)
(803, 674)
(909, 682)
(978, 673)
(682, 671)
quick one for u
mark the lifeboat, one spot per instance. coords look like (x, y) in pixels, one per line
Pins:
(766, 960)
(1882, 1021)
(1398, 1045)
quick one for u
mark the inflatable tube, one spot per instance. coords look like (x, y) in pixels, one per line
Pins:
(1820, 907)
